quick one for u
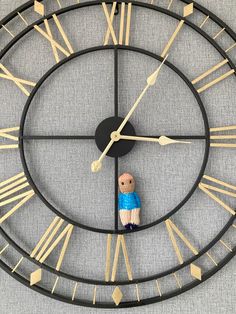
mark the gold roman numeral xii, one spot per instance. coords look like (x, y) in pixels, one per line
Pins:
(124, 30)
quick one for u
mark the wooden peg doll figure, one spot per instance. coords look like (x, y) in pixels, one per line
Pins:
(129, 202)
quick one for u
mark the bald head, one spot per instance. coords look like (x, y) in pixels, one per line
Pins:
(126, 183)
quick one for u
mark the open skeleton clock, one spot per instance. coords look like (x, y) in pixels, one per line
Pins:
(74, 79)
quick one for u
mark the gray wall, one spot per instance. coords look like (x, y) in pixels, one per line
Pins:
(217, 295)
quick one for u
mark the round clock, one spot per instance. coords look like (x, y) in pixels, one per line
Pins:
(117, 149)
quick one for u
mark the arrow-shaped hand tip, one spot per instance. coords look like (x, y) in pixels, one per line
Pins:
(151, 80)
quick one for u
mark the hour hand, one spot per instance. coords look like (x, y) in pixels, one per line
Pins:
(162, 140)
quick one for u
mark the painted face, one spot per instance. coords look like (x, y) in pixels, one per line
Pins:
(126, 183)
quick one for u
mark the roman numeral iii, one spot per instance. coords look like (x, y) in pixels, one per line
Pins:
(124, 28)
(222, 140)
(215, 81)
(207, 188)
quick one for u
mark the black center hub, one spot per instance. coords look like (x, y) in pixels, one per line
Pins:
(103, 136)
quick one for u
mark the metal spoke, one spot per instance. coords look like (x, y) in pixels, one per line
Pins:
(57, 137)
(116, 92)
(116, 194)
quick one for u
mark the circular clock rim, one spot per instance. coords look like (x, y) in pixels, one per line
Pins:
(142, 5)
(148, 300)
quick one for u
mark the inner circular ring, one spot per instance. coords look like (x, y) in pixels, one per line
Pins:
(91, 50)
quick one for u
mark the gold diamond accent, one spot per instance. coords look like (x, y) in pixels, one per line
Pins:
(196, 271)
(188, 9)
(117, 295)
(39, 7)
(35, 277)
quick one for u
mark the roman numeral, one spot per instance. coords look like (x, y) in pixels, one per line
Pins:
(17, 185)
(206, 188)
(171, 228)
(55, 45)
(50, 240)
(19, 82)
(215, 81)
(4, 133)
(223, 137)
(119, 242)
(122, 32)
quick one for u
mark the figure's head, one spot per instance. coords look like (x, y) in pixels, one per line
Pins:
(126, 183)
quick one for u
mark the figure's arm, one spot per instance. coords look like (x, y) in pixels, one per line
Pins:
(137, 199)
(120, 201)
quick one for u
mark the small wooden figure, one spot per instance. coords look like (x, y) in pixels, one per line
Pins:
(129, 202)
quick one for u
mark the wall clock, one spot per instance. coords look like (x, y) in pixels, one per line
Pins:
(95, 89)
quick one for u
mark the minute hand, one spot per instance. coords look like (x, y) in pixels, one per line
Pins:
(151, 80)
(162, 140)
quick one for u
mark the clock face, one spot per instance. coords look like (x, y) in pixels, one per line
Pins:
(117, 149)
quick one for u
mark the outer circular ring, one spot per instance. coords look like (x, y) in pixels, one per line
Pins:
(141, 279)
(123, 282)
(223, 231)
(126, 304)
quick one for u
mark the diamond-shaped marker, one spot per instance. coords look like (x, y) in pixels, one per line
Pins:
(39, 7)
(117, 295)
(188, 9)
(196, 271)
(35, 277)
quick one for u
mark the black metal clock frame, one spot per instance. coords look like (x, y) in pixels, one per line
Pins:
(206, 137)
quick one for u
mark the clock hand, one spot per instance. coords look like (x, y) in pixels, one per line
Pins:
(151, 80)
(96, 165)
(162, 140)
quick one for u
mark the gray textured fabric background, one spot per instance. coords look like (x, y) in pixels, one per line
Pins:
(173, 174)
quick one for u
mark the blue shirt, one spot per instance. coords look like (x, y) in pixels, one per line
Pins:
(129, 201)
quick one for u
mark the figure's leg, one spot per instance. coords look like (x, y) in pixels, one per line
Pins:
(125, 217)
(135, 219)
